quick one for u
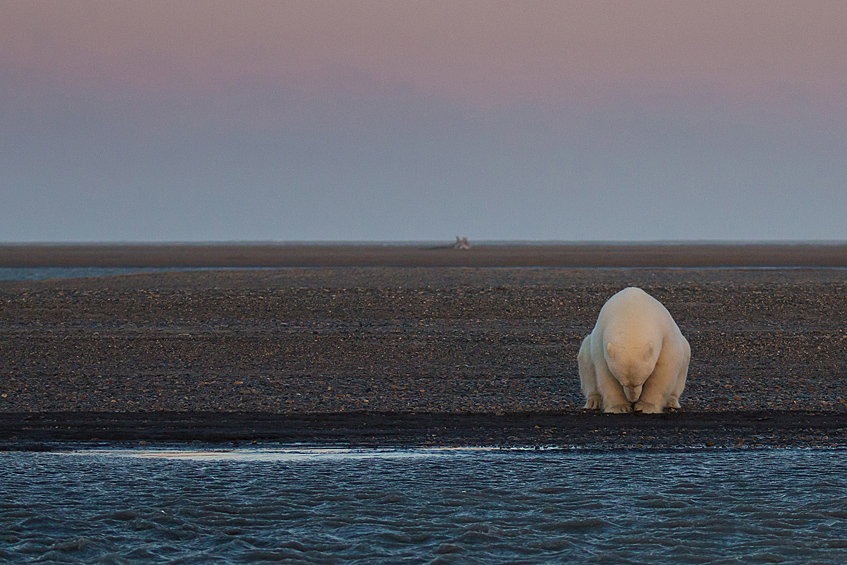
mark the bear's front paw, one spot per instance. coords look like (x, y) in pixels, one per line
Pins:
(593, 402)
(645, 408)
(618, 409)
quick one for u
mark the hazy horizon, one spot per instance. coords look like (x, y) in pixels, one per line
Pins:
(375, 121)
(439, 242)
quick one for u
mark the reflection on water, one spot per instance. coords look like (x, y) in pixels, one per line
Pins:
(428, 506)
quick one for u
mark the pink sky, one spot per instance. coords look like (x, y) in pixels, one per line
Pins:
(482, 52)
(423, 119)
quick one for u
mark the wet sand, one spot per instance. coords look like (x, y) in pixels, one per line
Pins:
(411, 356)
(563, 429)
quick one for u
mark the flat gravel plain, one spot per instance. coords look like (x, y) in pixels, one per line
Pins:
(445, 342)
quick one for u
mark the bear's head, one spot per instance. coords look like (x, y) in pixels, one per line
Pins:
(631, 365)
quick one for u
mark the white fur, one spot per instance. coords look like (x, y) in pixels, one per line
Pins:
(635, 358)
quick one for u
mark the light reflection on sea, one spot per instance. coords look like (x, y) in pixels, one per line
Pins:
(424, 506)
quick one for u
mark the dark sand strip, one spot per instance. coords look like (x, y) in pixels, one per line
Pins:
(484, 255)
(580, 429)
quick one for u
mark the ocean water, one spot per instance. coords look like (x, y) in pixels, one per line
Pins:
(424, 506)
(42, 273)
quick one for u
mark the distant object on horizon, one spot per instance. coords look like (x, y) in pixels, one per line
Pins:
(461, 243)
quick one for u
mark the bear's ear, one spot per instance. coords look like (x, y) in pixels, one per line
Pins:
(610, 349)
(650, 349)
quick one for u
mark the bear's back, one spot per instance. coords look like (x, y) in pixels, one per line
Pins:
(633, 309)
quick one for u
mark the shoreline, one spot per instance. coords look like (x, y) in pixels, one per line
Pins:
(571, 255)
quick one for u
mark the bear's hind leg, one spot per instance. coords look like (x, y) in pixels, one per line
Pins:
(679, 385)
(673, 399)
(588, 377)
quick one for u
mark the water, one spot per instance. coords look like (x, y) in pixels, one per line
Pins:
(43, 273)
(460, 506)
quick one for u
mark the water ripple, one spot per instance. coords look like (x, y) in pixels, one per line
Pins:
(784, 506)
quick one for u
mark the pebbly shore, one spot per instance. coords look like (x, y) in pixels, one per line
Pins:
(462, 355)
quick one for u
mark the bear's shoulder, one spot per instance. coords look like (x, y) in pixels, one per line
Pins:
(632, 298)
(633, 311)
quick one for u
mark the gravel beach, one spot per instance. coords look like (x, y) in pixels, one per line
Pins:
(428, 348)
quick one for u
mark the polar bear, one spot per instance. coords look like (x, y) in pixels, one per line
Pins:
(634, 358)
